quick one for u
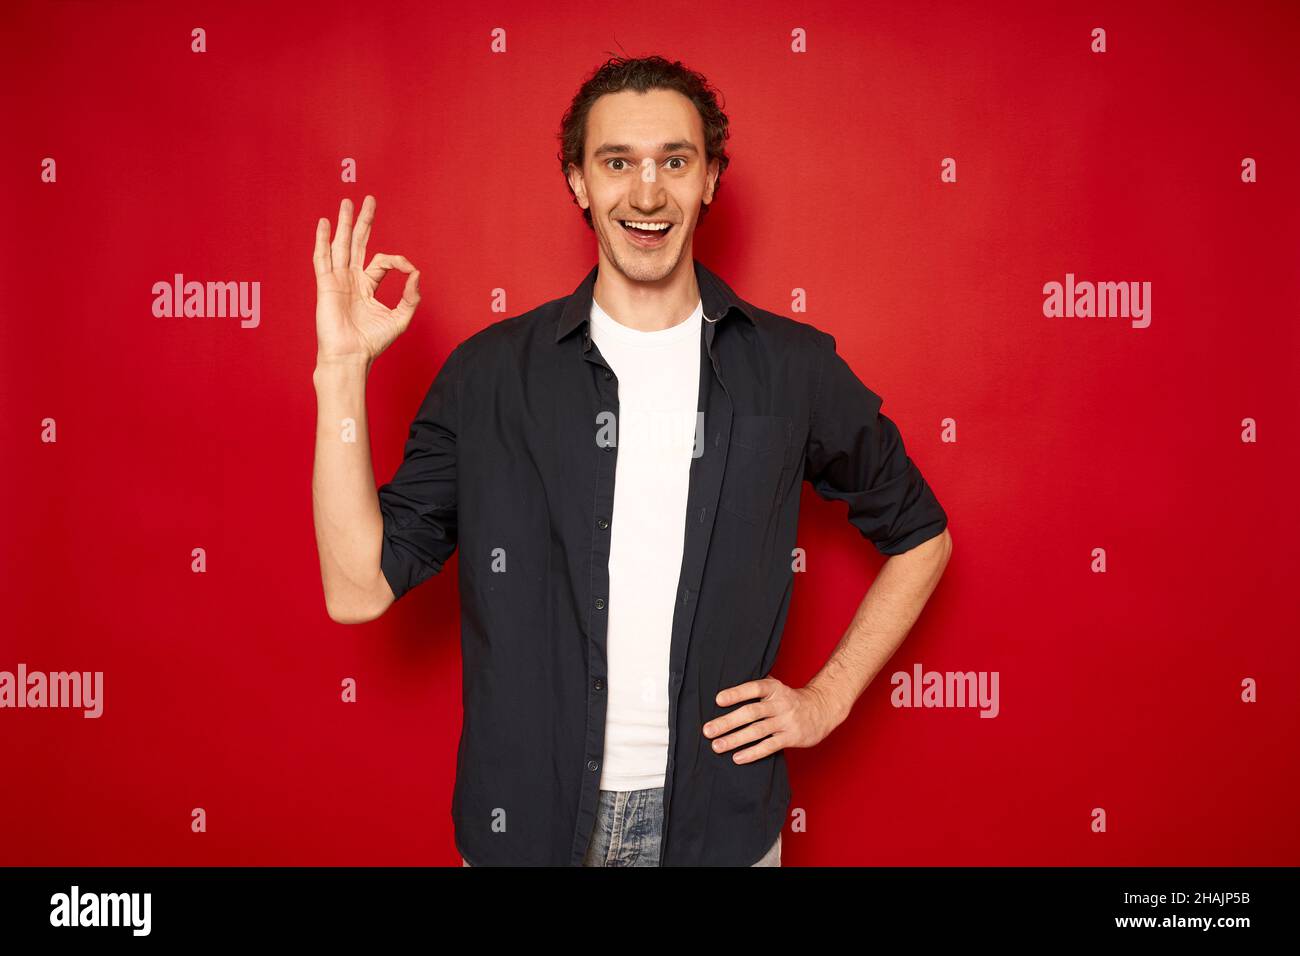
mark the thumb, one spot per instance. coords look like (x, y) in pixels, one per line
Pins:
(410, 299)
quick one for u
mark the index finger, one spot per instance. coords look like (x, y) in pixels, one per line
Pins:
(750, 690)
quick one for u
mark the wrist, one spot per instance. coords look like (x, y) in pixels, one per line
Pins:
(343, 358)
(334, 369)
(836, 707)
(351, 361)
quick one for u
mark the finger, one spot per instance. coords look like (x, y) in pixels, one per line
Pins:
(382, 263)
(746, 691)
(410, 299)
(760, 750)
(342, 236)
(737, 718)
(321, 256)
(746, 735)
(362, 233)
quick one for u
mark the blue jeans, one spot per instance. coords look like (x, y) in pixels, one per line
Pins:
(629, 824)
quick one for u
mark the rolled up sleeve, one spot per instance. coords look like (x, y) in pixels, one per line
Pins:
(855, 454)
(419, 503)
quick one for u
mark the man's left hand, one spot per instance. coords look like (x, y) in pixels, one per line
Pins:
(780, 716)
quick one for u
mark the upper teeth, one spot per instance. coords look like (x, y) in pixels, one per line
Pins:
(647, 225)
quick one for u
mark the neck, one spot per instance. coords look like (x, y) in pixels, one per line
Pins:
(651, 305)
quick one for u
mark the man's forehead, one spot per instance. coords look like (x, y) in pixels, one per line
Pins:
(624, 149)
(631, 119)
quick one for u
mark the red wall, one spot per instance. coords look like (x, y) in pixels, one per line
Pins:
(1118, 690)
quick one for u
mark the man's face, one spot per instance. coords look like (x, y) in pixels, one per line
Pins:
(645, 162)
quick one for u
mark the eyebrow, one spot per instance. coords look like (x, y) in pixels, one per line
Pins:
(679, 145)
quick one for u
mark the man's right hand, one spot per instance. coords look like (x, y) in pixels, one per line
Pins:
(351, 324)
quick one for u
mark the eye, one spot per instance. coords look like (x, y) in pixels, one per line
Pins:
(616, 160)
(678, 159)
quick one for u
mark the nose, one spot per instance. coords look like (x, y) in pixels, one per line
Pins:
(647, 194)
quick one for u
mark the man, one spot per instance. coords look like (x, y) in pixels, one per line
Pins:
(620, 470)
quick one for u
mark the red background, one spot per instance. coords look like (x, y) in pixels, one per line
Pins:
(1118, 690)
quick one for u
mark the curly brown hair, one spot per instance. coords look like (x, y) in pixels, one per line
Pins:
(642, 74)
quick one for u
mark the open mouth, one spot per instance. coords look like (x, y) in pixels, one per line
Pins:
(647, 233)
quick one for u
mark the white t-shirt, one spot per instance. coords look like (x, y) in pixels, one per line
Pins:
(658, 396)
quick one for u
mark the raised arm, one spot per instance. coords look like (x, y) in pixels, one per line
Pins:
(352, 329)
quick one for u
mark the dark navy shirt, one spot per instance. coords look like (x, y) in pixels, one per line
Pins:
(510, 460)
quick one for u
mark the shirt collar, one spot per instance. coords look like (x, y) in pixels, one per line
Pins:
(717, 297)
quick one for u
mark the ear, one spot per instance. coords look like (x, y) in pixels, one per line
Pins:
(578, 185)
(711, 179)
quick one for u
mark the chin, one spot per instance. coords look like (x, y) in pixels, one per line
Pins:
(648, 269)
(641, 266)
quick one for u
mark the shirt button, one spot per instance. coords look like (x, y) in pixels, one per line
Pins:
(598, 684)
(608, 375)
(592, 765)
(600, 604)
(602, 524)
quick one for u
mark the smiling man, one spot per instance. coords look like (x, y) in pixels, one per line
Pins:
(620, 470)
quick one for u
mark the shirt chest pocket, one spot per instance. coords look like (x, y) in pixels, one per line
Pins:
(755, 462)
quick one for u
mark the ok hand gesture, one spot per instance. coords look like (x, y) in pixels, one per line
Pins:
(351, 324)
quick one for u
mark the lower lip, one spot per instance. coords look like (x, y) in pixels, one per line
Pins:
(648, 242)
